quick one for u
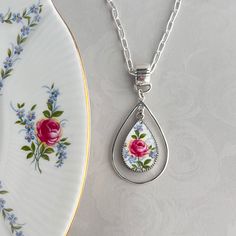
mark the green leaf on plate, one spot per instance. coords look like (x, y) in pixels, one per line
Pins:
(49, 150)
(2, 73)
(8, 209)
(63, 139)
(32, 25)
(47, 114)
(9, 52)
(49, 106)
(33, 146)
(45, 157)
(3, 192)
(3, 214)
(26, 148)
(18, 39)
(33, 107)
(67, 143)
(42, 148)
(24, 12)
(17, 227)
(57, 113)
(23, 40)
(9, 71)
(22, 105)
(30, 155)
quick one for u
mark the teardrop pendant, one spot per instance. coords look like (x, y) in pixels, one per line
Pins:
(141, 154)
(140, 150)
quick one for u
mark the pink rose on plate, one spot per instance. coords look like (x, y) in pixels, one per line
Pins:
(138, 148)
(48, 131)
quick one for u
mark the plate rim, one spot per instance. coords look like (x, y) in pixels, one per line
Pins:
(87, 140)
(88, 117)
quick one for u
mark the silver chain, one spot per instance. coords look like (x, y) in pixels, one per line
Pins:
(124, 41)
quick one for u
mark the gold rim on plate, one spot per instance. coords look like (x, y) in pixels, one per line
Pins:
(88, 119)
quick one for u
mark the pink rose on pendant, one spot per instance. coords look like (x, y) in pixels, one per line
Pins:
(138, 148)
(48, 131)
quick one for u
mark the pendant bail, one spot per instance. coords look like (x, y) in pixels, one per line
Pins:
(142, 78)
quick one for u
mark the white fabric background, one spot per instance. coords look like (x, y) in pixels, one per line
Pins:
(194, 96)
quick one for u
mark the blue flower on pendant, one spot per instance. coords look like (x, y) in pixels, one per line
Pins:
(140, 149)
(153, 154)
(138, 127)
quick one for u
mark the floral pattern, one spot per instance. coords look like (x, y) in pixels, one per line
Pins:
(28, 20)
(8, 214)
(44, 136)
(140, 150)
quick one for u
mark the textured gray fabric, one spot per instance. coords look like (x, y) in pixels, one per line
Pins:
(194, 94)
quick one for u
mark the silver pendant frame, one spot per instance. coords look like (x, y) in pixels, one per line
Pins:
(117, 135)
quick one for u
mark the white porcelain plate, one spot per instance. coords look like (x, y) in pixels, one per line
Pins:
(44, 121)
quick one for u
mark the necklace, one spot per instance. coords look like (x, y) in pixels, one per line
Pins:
(141, 155)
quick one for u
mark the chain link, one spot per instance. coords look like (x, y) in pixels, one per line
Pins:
(124, 42)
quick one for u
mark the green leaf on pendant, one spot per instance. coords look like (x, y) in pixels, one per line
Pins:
(146, 162)
(137, 133)
(142, 135)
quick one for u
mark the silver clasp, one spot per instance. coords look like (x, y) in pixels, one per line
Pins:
(142, 78)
